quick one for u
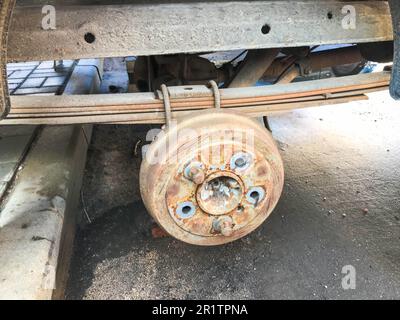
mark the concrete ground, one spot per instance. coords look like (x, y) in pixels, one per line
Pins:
(40, 180)
(340, 206)
(28, 78)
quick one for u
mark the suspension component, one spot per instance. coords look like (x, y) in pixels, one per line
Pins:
(211, 178)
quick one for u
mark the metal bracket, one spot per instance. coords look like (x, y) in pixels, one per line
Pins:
(216, 93)
(183, 92)
(188, 91)
(6, 8)
(167, 105)
(395, 82)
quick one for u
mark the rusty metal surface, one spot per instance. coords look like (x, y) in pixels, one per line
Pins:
(6, 7)
(151, 29)
(148, 108)
(189, 69)
(212, 178)
(256, 63)
(150, 73)
(315, 61)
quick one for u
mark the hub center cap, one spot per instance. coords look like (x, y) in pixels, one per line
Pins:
(220, 193)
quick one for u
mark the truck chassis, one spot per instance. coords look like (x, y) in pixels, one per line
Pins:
(194, 195)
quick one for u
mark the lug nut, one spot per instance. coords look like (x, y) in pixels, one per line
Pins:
(196, 175)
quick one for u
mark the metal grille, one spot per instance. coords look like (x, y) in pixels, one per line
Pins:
(39, 78)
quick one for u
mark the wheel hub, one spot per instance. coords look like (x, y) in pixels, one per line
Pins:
(216, 184)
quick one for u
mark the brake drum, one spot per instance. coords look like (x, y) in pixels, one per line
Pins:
(211, 178)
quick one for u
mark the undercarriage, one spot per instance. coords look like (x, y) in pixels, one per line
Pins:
(202, 70)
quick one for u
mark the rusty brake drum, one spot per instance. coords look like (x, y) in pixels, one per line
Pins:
(212, 178)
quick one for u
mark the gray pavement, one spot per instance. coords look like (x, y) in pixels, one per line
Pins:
(33, 78)
(340, 206)
(14, 142)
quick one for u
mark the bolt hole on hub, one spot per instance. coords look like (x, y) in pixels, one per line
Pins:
(211, 178)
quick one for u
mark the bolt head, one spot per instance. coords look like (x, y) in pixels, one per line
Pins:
(196, 175)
